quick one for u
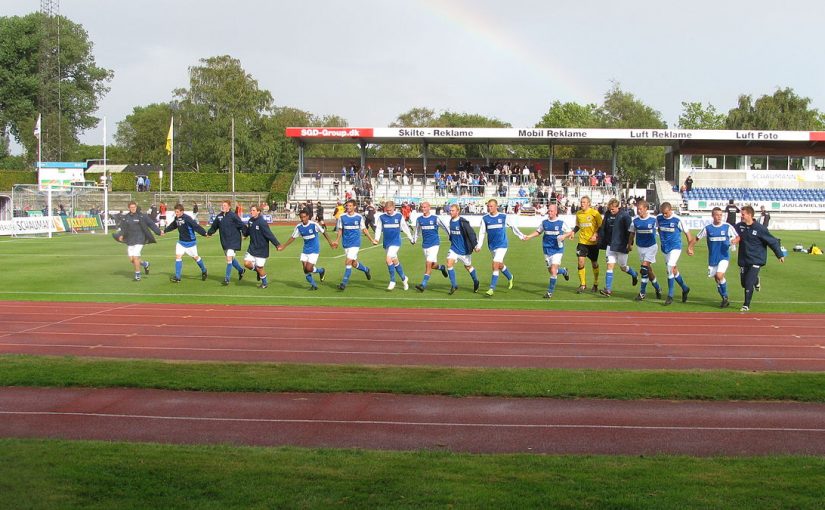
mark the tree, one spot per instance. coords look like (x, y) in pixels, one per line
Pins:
(219, 91)
(26, 88)
(142, 134)
(623, 110)
(784, 110)
(571, 115)
(696, 116)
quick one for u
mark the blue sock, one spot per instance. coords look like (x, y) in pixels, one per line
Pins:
(494, 280)
(552, 285)
(145, 264)
(361, 267)
(347, 274)
(263, 280)
(201, 265)
(643, 286)
(680, 281)
(137, 275)
(237, 265)
(425, 281)
(400, 271)
(608, 280)
(670, 285)
(563, 271)
(310, 279)
(473, 275)
(392, 272)
(506, 272)
(317, 269)
(655, 284)
(631, 272)
(228, 271)
(451, 274)
(178, 268)
(723, 288)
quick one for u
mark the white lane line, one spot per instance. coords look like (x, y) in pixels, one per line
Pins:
(416, 423)
(413, 354)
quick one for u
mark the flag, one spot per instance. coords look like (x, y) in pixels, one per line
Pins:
(169, 137)
(37, 128)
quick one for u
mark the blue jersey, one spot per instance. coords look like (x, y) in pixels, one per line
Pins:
(552, 230)
(670, 232)
(309, 233)
(391, 226)
(427, 227)
(719, 238)
(645, 229)
(351, 226)
(495, 226)
(457, 244)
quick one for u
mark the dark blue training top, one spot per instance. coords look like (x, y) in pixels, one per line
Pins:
(231, 229)
(259, 237)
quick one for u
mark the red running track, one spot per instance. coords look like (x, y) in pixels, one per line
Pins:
(404, 422)
(476, 338)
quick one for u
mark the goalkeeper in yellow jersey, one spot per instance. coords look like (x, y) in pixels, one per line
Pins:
(588, 221)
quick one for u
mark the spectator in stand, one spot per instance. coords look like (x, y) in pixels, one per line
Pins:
(525, 174)
(731, 210)
(195, 210)
(319, 213)
(764, 217)
(317, 178)
(146, 184)
(689, 183)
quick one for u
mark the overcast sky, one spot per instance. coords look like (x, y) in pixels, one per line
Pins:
(369, 60)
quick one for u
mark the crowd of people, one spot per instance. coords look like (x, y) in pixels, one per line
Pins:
(617, 230)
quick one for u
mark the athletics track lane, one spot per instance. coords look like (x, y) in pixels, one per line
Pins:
(410, 422)
(472, 338)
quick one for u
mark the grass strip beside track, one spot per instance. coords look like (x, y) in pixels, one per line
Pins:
(511, 382)
(81, 474)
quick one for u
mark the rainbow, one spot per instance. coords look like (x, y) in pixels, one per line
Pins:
(561, 84)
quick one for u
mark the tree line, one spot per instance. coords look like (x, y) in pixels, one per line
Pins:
(221, 92)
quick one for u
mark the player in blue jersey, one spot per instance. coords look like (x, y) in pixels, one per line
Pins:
(309, 231)
(426, 227)
(391, 223)
(720, 236)
(230, 227)
(260, 235)
(494, 225)
(462, 242)
(350, 227)
(643, 231)
(187, 243)
(613, 238)
(671, 228)
(553, 231)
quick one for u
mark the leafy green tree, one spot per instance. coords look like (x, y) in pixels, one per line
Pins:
(696, 116)
(784, 110)
(220, 90)
(623, 110)
(142, 134)
(571, 115)
(25, 90)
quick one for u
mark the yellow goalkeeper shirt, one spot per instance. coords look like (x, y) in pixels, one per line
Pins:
(588, 221)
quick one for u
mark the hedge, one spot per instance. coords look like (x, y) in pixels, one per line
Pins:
(9, 178)
(200, 182)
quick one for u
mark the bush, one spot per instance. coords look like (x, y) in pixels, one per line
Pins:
(9, 178)
(199, 181)
(280, 186)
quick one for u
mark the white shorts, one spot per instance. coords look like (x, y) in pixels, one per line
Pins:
(553, 260)
(498, 254)
(230, 253)
(352, 253)
(431, 253)
(183, 250)
(312, 258)
(133, 250)
(467, 260)
(721, 267)
(672, 257)
(647, 253)
(615, 257)
(259, 261)
(392, 252)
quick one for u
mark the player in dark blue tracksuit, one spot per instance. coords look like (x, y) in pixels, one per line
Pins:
(187, 243)
(260, 236)
(753, 240)
(231, 228)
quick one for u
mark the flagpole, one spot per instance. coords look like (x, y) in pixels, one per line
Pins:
(105, 183)
(172, 156)
(233, 159)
